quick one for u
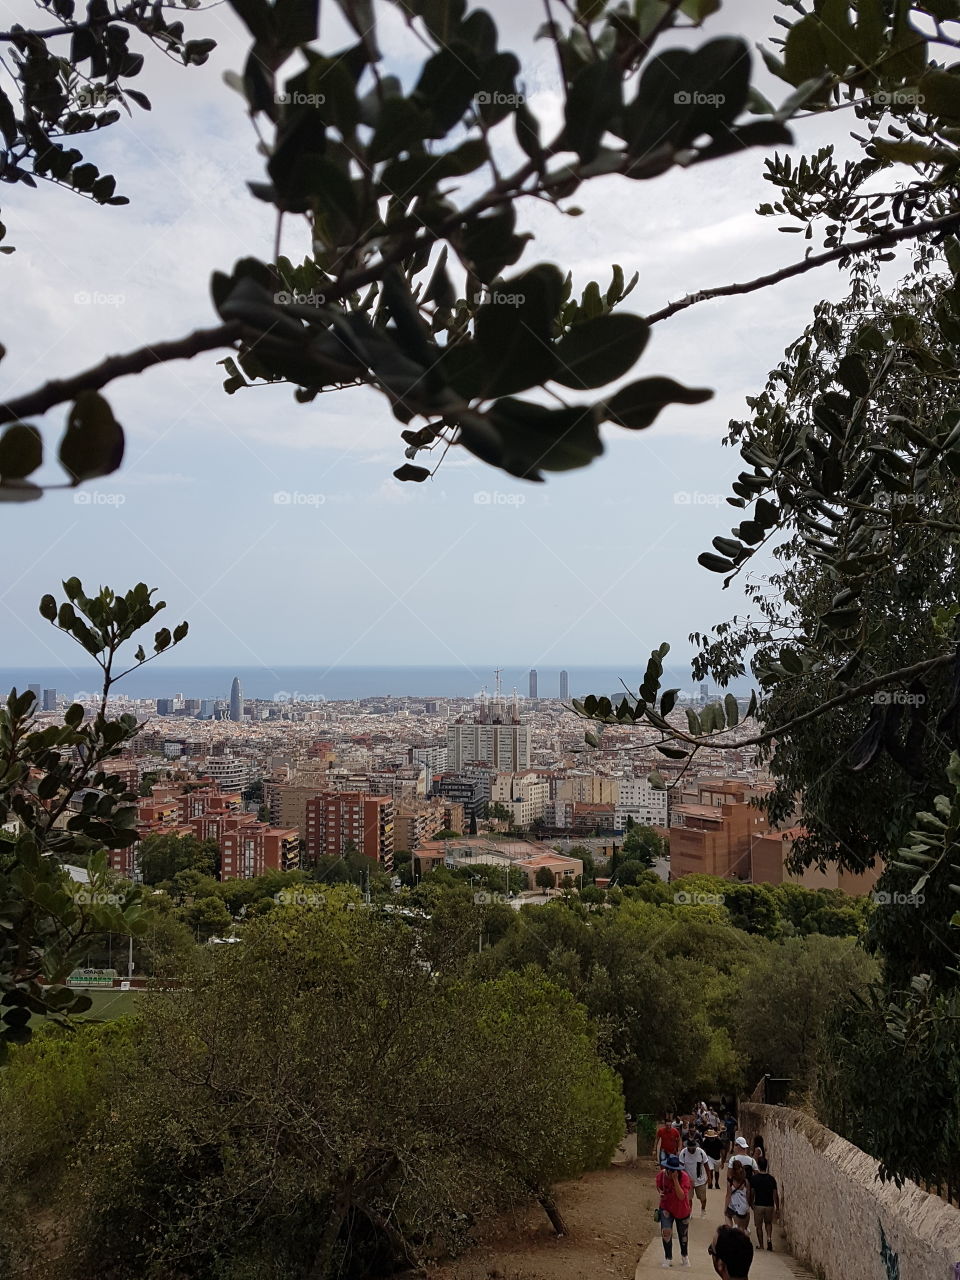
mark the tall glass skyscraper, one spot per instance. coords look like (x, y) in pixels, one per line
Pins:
(564, 686)
(533, 684)
(236, 700)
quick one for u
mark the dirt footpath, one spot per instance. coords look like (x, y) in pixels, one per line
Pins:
(609, 1217)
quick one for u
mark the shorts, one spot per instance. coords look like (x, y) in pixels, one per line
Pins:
(763, 1215)
(701, 1193)
(741, 1220)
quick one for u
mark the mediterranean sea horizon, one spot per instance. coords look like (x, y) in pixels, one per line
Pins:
(338, 682)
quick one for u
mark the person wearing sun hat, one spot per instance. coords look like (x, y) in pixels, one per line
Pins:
(676, 1201)
(713, 1146)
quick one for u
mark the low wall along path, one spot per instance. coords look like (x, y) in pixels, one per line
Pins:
(840, 1220)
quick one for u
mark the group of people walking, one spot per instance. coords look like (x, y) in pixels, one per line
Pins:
(703, 1152)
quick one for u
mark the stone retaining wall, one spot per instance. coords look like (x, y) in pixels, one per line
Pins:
(840, 1220)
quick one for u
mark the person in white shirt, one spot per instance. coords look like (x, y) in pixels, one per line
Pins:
(694, 1161)
(742, 1156)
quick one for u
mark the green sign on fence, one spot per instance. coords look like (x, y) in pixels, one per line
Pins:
(92, 978)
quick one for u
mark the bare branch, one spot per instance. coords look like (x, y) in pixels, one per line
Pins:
(60, 390)
(950, 222)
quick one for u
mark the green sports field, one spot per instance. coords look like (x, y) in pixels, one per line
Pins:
(105, 1004)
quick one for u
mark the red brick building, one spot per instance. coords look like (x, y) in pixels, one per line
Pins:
(339, 819)
(253, 848)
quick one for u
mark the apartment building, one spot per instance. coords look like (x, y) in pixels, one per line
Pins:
(254, 848)
(526, 795)
(587, 788)
(286, 802)
(768, 858)
(338, 820)
(416, 823)
(713, 833)
(470, 790)
(433, 759)
(231, 773)
(502, 746)
(645, 804)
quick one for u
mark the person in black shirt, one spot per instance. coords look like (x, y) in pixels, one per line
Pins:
(713, 1146)
(764, 1201)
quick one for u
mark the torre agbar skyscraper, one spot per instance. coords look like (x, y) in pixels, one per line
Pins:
(236, 700)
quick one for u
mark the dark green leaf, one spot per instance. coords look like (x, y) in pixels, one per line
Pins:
(600, 350)
(638, 404)
(21, 451)
(93, 443)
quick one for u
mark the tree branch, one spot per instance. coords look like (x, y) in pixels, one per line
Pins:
(883, 240)
(135, 14)
(903, 674)
(60, 390)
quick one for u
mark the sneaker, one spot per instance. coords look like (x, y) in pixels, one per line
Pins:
(684, 1262)
(665, 1263)
(770, 1245)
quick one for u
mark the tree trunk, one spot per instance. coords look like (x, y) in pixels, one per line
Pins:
(321, 1261)
(549, 1207)
(403, 1251)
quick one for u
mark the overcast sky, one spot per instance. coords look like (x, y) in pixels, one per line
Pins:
(594, 566)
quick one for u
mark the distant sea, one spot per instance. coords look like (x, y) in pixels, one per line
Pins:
(339, 683)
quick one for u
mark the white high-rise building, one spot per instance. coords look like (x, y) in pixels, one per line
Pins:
(434, 759)
(525, 794)
(231, 773)
(506, 747)
(638, 800)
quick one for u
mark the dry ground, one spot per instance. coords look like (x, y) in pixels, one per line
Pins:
(609, 1217)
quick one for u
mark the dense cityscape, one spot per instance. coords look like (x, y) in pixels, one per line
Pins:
(502, 780)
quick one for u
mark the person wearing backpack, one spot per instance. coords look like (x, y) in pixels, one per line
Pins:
(736, 1207)
(694, 1161)
(676, 1201)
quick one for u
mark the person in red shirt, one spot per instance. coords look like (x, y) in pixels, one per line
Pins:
(676, 1200)
(668, 1140)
